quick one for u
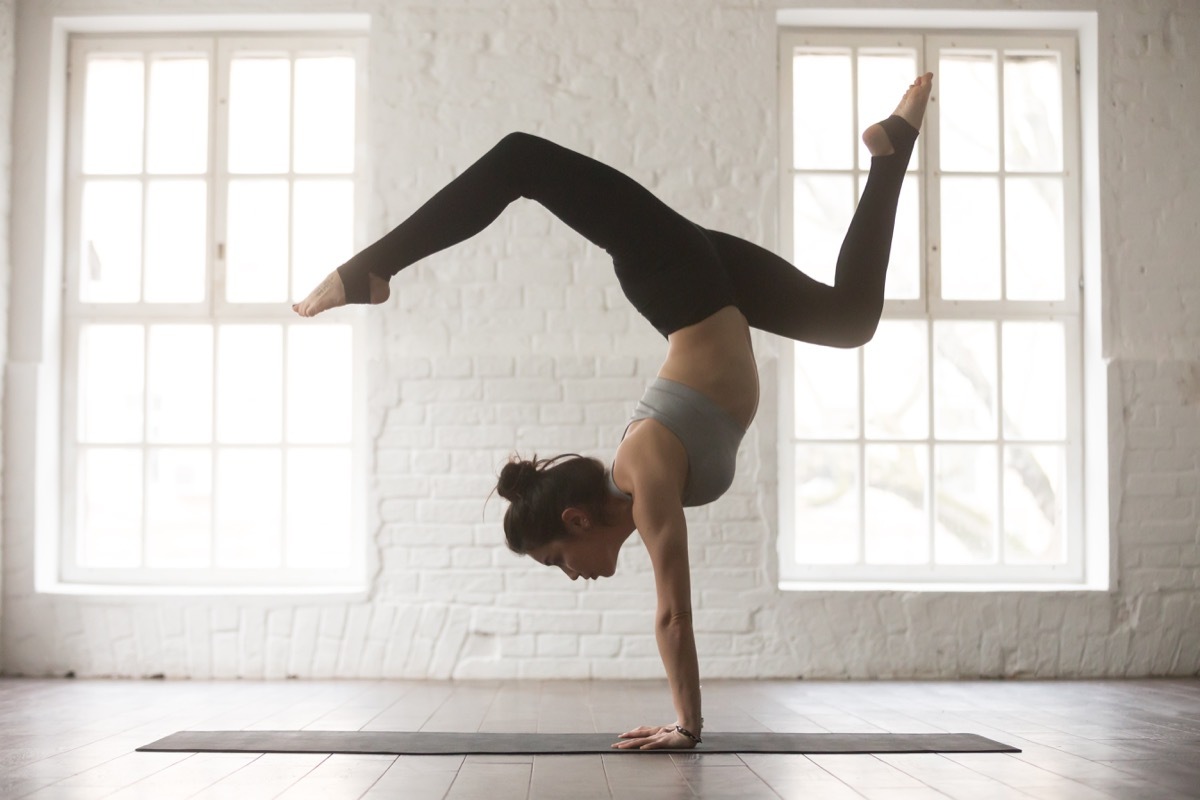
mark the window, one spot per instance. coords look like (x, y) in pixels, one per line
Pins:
(950, 448)
(210, 436)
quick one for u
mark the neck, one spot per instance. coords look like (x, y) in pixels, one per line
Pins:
(621, 510)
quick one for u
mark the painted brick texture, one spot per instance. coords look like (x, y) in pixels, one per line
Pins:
(7, 62)
(521, 340)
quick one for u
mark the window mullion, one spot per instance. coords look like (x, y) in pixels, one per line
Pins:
(1000, 443)
(284, 329)
(145, 174)
(862, 457)
(220, 175)
(147, 64)
(932, 227)
(930, 442)
(1002, 176)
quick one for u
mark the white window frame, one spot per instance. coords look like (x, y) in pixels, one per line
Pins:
(214, 310)
(1088, 533)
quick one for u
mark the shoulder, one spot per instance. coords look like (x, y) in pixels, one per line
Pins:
(653, 462)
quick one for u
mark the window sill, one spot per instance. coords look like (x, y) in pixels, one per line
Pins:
(101, 591)
(865, 586)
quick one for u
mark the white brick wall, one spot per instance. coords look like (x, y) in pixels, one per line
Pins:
(521, 339)
(7, 42)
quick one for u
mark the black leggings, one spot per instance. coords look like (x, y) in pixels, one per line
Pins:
(673, 271)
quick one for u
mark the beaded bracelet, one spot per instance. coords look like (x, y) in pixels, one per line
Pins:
(689, 734)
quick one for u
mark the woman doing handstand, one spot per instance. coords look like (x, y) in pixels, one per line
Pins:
(703, 290)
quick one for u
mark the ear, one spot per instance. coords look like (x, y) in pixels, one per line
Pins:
(576, 520)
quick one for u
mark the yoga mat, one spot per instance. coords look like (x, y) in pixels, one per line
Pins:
(414, 743)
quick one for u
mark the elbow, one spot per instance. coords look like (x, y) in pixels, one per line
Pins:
(672, 619)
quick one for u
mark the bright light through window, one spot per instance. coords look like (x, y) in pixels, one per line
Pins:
(947, 448)
(214, 435)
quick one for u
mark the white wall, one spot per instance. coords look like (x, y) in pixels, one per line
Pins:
(521, 339)
(7, 20)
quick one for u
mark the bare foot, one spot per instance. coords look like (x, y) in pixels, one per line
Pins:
(911, 110)
(330, 293)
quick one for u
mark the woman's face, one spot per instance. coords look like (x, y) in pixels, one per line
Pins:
(585, 556)
(589, 550)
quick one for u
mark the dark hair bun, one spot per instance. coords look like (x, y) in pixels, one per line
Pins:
(516, 479)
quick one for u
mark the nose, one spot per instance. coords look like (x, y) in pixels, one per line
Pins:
(570, 573)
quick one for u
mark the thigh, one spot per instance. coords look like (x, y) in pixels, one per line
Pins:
(605, 206)
(773, 295)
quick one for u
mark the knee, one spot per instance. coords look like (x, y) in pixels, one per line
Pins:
(859, 328)
(521, 144)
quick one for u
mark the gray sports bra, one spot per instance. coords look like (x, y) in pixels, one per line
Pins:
(709, 435)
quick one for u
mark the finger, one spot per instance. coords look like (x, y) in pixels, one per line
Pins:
(629, 744)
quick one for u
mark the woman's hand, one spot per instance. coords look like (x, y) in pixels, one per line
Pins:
(654, 737)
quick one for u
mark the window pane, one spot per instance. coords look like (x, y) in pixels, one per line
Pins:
(318, 507)
(177, 141)
(1034, 511)
(179, 508)
(964, 380)
(896, 369)
(966, 500)
(256, 265)
(113, 115)
(259, 114)
(883, 77)
(826, 392)
(970, 238)
(897, 524)
(1035, 247)
(110, 258)
(110, 508)
(322, 231)
(325, 114)
(320, 383)
(248, 508)
(249, 383)
(179, 367)
(1035, 382)
(827, 523)
(176, 241)
(111, 359)
(823, 136)
(968, 106)
(1033, 117)
(823, 206)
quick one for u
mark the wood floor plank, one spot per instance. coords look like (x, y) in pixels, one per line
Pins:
(726, 782)
(632, 777)
(801, 789)
(480, 781)
(266, 776)
(111, 776)
(1082, 740)
(949, 778)
(340, 775)
(555, 777)
(416, 778)
(861, 772)
(185, 778)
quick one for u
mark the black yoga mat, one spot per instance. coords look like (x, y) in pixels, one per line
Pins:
(414, 743)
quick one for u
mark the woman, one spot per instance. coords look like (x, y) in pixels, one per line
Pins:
(703, 290)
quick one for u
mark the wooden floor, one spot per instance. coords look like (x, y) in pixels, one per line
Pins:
(1087, 740)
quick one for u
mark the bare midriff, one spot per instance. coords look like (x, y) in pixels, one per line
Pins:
(715, 357)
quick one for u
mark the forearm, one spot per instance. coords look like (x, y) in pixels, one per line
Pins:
(677, 646)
